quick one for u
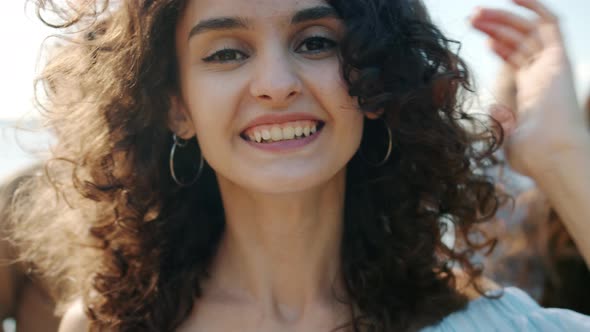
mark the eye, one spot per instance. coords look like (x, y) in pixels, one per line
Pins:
(316, 45)
(226, 55)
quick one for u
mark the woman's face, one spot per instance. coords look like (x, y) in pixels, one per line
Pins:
(261, 88)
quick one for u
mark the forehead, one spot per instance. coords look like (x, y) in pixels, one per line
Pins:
(256, 10)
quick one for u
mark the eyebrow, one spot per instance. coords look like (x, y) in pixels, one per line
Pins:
(314, 14)
(230, 23)
(219, 23)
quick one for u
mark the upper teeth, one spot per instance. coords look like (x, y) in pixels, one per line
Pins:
(285, 131)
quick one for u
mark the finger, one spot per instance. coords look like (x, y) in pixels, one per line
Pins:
(507, 54)
(502, 33)
(540, 9)
(550, 34)
(527, 39)
(504, 17)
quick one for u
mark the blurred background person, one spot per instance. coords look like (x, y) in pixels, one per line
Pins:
(22, 296)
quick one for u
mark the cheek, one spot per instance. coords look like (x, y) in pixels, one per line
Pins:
(211, 101)
(329, 76)
(349, 133)
(332, 92)
(331, 89)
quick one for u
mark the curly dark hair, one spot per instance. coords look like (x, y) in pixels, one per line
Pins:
(132, 251)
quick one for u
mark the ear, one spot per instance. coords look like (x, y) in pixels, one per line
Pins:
(179, 120)
(374, 115)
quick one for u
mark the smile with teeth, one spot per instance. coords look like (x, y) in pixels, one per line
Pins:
(282, 132)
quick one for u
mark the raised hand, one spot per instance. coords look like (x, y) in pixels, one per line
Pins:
(547, 123)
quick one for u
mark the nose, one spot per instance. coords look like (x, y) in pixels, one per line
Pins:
(276, 82)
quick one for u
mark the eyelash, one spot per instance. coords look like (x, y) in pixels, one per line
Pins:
(331, 44)
(218, 57)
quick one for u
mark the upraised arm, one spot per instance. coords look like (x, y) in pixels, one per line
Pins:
(548, 138)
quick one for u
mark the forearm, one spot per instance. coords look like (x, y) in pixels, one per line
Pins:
(567, 185)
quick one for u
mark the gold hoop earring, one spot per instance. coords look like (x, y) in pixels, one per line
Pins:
(384, 160)
(178, 142)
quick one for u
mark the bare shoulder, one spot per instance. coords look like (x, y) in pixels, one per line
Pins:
(75, 319)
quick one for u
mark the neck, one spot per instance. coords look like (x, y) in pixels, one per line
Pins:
(281, 250)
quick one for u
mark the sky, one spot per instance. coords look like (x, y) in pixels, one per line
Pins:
(22, 35)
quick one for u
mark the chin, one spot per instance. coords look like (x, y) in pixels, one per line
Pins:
(288, 182)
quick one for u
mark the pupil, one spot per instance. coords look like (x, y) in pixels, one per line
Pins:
(315, 44)
(227, 55)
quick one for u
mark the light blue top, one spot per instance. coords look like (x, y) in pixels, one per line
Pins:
(514, 311)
